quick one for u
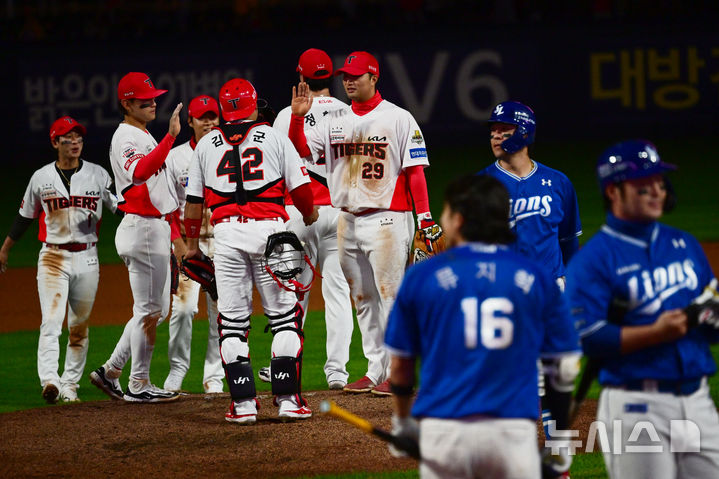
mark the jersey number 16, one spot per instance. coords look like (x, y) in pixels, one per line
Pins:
(496, 331)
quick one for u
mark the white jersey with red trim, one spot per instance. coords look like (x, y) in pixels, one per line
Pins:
(269, 165)
(366, 156)
(321, 108)
(68, 216)
(154, 197)
(178, 166)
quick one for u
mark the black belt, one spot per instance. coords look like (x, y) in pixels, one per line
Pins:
(684, 387)
(71, 246)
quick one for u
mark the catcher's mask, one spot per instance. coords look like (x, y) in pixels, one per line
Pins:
(285, 260)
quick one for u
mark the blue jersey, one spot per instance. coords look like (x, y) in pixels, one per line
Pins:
(479, 316)
(652, 268)
(543, 211)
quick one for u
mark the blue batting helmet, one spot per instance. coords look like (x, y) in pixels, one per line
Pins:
(630, 160)
(515, 113)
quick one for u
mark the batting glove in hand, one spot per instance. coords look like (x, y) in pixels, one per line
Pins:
(407, 430)
(703, 313)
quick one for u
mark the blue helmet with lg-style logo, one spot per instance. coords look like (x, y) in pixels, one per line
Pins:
(520, 115)
(630, 160)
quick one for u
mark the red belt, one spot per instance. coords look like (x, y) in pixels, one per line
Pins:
(244, 219)
(71, 246)
(363, 212)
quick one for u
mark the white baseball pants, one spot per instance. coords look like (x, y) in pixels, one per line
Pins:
(143, 243)
(65, 278)
(184, 309)
(689, 424)
(374, 250)
(320, 242)
(239, 249)
(477, 446)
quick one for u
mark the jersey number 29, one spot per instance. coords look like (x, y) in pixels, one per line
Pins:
(496, 330)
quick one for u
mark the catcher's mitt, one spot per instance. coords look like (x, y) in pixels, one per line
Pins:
(174, 274)
(201, 269)
(428, 241)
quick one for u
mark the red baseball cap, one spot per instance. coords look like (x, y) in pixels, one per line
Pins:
(359, 63)
(315, 64)
(201, 105)
(137, 85)
(64, 125)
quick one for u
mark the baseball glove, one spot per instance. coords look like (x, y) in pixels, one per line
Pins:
(428, 241)
(201, 269)
(174, 274)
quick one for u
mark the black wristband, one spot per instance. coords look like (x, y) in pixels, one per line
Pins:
(399, 390)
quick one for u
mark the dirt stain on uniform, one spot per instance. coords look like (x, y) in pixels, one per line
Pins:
(149, 326)
(78, 335)
(52, 261)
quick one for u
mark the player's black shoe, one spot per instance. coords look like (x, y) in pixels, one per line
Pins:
(109, 386)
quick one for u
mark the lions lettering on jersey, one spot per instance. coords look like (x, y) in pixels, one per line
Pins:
(522, 208)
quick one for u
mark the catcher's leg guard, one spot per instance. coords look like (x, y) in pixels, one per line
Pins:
(240, 379)
(235, 354)
(285, 380)
(287, 353)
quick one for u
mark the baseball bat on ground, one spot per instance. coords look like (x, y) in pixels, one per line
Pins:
(403, 443)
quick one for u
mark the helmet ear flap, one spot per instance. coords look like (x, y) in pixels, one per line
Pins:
(517, 141)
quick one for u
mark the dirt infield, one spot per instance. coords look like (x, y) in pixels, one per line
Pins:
(190, 438)
(187, 438)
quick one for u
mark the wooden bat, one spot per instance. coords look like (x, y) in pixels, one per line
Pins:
(405, 444)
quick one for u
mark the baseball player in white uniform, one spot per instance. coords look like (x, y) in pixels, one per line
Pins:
(147, 195)
(67, 196)
(320, 239)
(375, 158)
(203, 115)
(242, 171)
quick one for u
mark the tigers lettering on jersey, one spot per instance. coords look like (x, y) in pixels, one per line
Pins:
(373, 150)
(87, 202)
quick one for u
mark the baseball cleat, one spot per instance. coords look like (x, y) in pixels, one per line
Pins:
(149, 393)
(382, 389)
(363, 385)
(173, 383)
(69, 394)
(110, 386)
(264, 374)
(336, 385)
(50, 393)
(291, 409)
(243, 412)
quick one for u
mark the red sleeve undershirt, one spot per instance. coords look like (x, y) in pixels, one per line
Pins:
(418, 188)
(150, 163)
(175, 225)
(303, 199)
(297, 135)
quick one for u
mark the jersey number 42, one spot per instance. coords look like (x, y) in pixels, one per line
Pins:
(250, 169)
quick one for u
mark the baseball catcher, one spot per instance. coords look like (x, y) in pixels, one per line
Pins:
(428, 241)
(201, 269)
